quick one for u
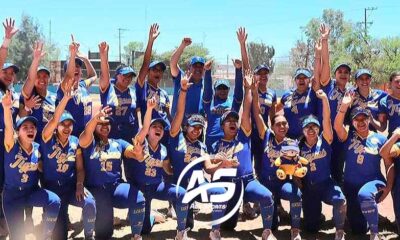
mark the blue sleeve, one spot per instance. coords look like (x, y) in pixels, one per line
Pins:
(60, 93)
(177, 79)
(284, 97)
(123, 145)
(274, 98)
(208, 91)
(140, 95)
(382, 106)
(238, 91)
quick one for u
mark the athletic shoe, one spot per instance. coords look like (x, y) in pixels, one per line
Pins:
(268, 235)
(215, 235)
(171, 212)
(158, 217)
(339, 235)
(182, 235)
(295, 234)
(248, 211)
(374, 236)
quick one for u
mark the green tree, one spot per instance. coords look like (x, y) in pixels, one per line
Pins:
(134, 46)
(260, 53)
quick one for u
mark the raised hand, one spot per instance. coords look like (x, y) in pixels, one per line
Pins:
(74, 46)
(101, 116)
(186, 41)
(138, 149)
(151, 103)
(325, 31)
(32, 102)
(7, 100)
(38, 51)
(254, 84)
(103, 48)
(237, 63)
(208, 65)
(9, 28)
(321, 94)
(348, 98)
(248, 78)
(153, 33)
(185, 84)
(241, 35)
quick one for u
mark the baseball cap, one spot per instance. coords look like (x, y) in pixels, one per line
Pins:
(196, 119)
(126, 70)
(43, 68)
(78, 62)
(197, 59)
(155, 63)
(25, 119)
(343, 65)
(290, 145)
(67, 116)
(229, 114)
(310, 120)
(359, 110)
(220, 82)
(158, 120)
(362, 71)
(261, 67)
(11, 65)
(302, 71)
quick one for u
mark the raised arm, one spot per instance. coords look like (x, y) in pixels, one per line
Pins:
(317, 67)
(339, 127)
(261, 127)
(86, 136)
(326, 116)
(73, 49)
(326, 68)
(238, 91)
(9, 31)
(242, 37)
(389, 149)
(151, 104)
(104, 67)
(246, 122)
(38, 54)
(177, 55)
(153, 34)
(51, 125)
(180, 112)
(208, 89)
(8, 121)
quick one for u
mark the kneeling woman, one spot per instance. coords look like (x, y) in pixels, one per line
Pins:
(102, 160)
(364, 184)
(146, 170)
(63, 173)
(21, 161)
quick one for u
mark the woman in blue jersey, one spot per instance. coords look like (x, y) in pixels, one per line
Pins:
(120, 96)
(364, 185)
(63, 173)
(147, 167)
(102, 158)
(21, 168)
(389, 106)
(391, 150)
(272, 141)
(318, 186)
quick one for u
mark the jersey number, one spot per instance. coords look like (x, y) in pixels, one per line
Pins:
(120, 111)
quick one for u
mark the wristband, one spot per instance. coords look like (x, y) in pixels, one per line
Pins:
(183, 90)
(6, 42)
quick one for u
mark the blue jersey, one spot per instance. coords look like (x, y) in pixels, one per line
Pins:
(266, 100)
(103, 161)
(44, 112)
(362, 159)
(390, 106)
(150, 171)
(238, 148)
(193, 97)
(58, 159)
(271, 151)
(15, 108)
(163, 104)
(21, 166)
(80, 106)
(295, 107)
(182, 151)
(335, 96)
(123, 104)
(319, 158)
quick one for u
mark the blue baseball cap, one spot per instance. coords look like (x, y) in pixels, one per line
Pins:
(343, 65)
(359, 110)
(220, 82)
(25, 119)
(362, 71)
(291, 145)
(78, 62)
(261, 67)
(229, 114)
(197, 59)
(195, 120)
(158, 120)
(43, 68)
(302, 71)
(11, 65)
(126, 70)
(67, 116)
(160, 63)
(310, 120)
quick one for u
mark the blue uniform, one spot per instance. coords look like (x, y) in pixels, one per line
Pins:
(254, 191)
(148, 176)
(286, 190)
(396, 187)
(80, 106)
(59, 176)
(390, 106)
(42, 113)
(193, 97)
(123, 104)
(21, 189)
(160, 111)
(320, 187)
(103, 179)
(295, 107)
(362, 179)
(214, 107)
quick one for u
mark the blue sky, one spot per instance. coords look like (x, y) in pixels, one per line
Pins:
(210, 22)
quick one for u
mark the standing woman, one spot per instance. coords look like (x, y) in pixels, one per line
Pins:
(389, 106)
(364, 185)
(120, 96)
(102, 161)
(272, 141)
(21, 168)
(63, 173)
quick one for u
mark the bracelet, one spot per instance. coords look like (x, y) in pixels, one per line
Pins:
(6, 43)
